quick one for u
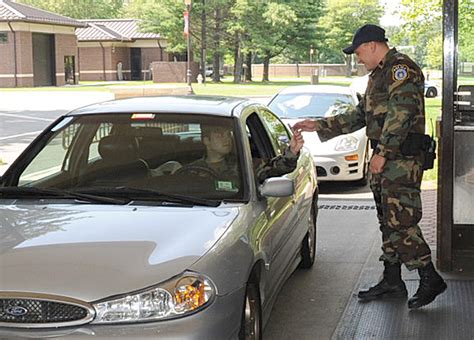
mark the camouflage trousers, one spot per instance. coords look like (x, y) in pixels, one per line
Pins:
(397, 198)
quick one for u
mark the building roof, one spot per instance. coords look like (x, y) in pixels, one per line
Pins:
(14, 11)
(113, 30)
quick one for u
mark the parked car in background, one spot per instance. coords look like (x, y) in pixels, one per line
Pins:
(343, 158)
(431, 89)
(109, 229)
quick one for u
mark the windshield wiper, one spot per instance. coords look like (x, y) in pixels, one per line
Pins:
(146, 193)
(32, 191)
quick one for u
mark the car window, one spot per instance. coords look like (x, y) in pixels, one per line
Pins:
(53, 159)
(278, 132)
(303, 105)
(181, 154)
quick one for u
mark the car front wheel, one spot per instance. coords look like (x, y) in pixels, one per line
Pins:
(251, 327)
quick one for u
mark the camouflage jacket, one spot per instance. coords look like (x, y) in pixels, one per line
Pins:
(276, 166)
(392, 107)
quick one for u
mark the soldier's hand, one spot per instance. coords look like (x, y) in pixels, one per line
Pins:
(377, 164)
(296, 142)
(305, 125)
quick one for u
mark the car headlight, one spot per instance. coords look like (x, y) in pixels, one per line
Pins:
(347, 143)
(184, 294)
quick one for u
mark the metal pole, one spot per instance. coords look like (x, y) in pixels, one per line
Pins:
(446, 171)
(203, 41)
(188, 41)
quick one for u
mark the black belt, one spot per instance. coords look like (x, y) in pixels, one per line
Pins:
(414, 144)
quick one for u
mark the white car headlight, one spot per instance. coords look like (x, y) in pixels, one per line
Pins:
(184, 294)
(347, 143)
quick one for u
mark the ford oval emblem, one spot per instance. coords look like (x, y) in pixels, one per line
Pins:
(16, 310)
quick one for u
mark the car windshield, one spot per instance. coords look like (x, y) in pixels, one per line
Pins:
(305, 105)
(149, 156)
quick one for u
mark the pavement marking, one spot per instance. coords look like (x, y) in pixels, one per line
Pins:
(26, 117)
(21, 135)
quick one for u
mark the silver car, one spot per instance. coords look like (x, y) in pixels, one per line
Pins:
(108, 229)
(343, 158)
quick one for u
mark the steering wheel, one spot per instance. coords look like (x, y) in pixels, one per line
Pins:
(197, 170)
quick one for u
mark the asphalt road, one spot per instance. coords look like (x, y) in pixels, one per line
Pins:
(312, 302)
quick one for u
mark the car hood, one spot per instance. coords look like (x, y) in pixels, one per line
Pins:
(90, 252)
(318, 148)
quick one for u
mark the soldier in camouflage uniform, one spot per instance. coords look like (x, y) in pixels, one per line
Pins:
(393, 112)
(218, 141)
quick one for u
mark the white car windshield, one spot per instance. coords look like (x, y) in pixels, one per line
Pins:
(115, 154)
(305, 105)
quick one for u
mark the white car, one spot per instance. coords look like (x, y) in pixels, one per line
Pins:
(343, 158)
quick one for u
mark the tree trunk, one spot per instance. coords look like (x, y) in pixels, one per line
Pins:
(348, 65)
(266, 66)
(216, 75)
(237, 61)
(248, 62)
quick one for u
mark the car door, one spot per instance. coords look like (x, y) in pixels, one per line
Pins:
(279, 212)
(294, 225)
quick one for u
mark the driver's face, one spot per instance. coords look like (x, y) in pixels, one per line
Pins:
(220, 141)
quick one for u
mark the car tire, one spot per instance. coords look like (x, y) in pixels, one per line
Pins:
(251, 324)
(431, 92)
(308, 245)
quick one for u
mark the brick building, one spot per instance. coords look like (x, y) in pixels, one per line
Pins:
(37, 48)
(115, 49)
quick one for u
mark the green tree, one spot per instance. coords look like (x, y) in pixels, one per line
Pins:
(164, 17)
(423, 26)
(337, 26)
(83, 9)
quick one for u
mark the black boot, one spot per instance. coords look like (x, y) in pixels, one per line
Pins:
(431, 285)
(391, 286)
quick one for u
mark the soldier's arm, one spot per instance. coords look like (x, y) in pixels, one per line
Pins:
(346, 122)
(404, 104)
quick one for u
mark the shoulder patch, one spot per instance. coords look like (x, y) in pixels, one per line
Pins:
(399, 72)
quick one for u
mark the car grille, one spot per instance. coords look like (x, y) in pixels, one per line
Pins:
(35, 312)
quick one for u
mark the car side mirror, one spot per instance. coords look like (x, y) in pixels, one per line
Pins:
(277, 187)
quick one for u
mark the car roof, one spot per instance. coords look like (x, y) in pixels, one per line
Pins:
(214, 105)
(317, 89)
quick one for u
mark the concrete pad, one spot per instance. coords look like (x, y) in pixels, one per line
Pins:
(311, 302)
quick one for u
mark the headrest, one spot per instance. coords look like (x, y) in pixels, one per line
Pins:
(118, 148)
(149, 131)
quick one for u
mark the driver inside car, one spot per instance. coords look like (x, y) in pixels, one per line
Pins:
(220, 155)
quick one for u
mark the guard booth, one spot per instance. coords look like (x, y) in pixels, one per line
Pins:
(455, 229)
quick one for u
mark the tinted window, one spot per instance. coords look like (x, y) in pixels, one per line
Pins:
(300, 105)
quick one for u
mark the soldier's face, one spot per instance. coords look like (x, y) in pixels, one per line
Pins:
(365, 54)
(219, 142)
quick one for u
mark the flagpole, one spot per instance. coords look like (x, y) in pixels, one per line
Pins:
(188, 43)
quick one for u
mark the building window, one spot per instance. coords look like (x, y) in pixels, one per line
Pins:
(3, 37)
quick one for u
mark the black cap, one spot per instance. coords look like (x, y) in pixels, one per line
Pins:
(365, 34)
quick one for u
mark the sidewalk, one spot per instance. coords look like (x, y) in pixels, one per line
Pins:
(448, 317)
